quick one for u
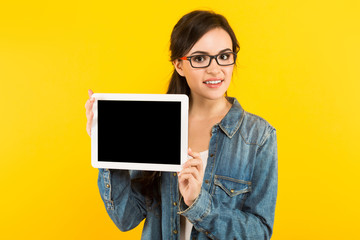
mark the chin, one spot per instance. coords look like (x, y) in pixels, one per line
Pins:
(214, 96)
(210, 94)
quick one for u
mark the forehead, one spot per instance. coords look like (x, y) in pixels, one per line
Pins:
(213, 42)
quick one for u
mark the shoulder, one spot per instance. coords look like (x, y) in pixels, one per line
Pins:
(255, 129)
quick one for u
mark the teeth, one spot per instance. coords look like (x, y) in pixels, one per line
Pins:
(213, 82)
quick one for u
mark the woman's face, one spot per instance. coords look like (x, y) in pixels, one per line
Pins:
(213, 81)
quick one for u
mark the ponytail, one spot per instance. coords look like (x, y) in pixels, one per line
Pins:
(178, 85)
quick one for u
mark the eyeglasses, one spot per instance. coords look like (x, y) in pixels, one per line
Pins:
(203, 61)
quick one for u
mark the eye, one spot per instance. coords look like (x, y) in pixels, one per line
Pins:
(199, 58)
(224, 56)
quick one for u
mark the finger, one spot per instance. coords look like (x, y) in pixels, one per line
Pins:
(193, 171)
(192, 163)
(90, 119)
(89, 123)
(91, 99)
(197, 156)
(89, 107)
(185, 178)
(90, 92)
(198, 168)
(88, 131)
(193, 154)
(197, 163)
(87, 103)
(188, 180)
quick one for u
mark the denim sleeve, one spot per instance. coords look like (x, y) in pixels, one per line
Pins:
(255, 220)
(125, 205)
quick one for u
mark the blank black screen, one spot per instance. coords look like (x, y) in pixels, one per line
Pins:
(139, 131)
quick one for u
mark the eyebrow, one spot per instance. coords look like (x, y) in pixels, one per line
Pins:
(206, 53)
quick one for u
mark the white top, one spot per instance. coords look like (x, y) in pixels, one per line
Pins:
(185, 225)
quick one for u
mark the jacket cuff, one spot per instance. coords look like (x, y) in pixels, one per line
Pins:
(104, 183)
(199, 209)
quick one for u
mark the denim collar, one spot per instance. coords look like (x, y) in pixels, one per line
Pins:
(233, 119)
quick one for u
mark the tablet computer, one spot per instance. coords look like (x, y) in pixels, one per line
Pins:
(139, 131)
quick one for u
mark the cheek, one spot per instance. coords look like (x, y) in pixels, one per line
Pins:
(193, 77)
(230, 71)
(191, 81)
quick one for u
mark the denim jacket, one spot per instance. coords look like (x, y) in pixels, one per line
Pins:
(238, 194)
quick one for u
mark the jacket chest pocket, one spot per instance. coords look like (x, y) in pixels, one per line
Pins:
(230, 191)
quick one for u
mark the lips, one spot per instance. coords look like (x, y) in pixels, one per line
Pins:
(213, 83)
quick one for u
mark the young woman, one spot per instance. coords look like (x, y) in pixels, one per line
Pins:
(227, 190)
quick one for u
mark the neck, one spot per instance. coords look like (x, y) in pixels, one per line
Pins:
(207, 108)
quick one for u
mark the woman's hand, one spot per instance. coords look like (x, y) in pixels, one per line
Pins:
(89, 112)
(191, 178)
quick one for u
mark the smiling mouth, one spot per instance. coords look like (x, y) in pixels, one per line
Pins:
(213, 82)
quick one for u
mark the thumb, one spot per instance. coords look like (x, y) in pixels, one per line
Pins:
(90, 92)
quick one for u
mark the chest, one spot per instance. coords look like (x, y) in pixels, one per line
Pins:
(200, 133)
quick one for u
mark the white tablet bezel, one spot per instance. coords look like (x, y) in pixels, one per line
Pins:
(182, 98)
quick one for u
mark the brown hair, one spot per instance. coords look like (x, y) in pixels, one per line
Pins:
(188, 30)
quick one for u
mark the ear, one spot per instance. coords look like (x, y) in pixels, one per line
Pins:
(178, 64)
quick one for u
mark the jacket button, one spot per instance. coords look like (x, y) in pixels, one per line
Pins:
(211, 155)
(174, 174)
(207, 181)
(207, 233)
(232, 190)
(174, 203)
(107, 185)
(175, 231)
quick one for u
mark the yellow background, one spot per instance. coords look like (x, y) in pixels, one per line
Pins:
(298, 67)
